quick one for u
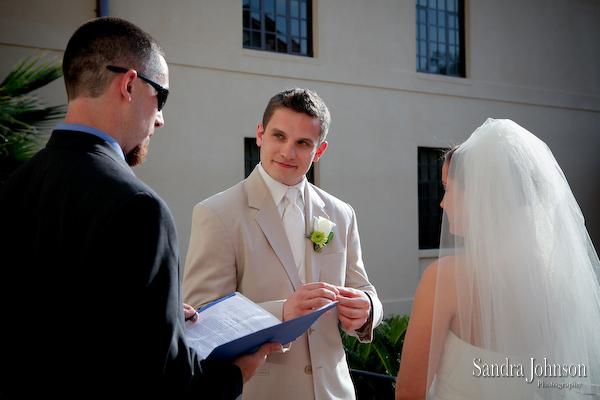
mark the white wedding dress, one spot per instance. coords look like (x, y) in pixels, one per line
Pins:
(456, 377)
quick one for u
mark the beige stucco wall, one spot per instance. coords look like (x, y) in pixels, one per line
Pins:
(533, 61)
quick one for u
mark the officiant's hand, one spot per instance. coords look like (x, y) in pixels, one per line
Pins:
(249, 363)
(354, 308)
(189, 312)
(309, 297)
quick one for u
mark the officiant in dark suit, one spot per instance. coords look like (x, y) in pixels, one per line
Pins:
(90, 293)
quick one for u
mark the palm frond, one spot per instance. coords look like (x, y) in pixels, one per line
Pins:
(21, 147)
(370, 362)
(29, 75)
(22, 114)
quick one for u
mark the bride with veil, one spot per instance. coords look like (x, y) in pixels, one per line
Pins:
(511, 309)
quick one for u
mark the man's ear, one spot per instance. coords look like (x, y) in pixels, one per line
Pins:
(126, 84)
(260, 131)
(320, 151)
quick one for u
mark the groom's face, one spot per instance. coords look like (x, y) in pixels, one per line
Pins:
(288, 145)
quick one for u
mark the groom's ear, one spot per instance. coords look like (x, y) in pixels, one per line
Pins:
(320, 151)
(259, 134)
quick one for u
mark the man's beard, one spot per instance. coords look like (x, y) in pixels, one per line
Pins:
(137, 156)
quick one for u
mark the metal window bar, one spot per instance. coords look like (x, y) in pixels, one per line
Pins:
(281, 26)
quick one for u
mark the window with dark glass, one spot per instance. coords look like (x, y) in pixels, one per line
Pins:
(280, 26)
(252, 158)
(430, 195)
(440, 37)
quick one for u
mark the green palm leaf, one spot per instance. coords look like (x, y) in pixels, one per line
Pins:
(29, 75)
(23, 117)
(376, 364)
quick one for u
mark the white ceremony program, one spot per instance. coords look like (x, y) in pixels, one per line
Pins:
(224, 321)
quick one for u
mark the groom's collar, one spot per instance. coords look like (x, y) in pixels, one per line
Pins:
(278, 189)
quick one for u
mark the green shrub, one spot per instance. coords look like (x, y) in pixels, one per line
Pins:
(374, 366)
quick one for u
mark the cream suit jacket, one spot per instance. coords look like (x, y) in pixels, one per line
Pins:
(238, 243)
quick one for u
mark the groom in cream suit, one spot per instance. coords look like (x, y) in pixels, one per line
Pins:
(241, 241)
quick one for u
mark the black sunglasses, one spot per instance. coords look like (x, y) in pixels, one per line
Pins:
(162, 92)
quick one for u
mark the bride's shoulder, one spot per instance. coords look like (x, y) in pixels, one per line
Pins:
(445, 267)
(445, 263)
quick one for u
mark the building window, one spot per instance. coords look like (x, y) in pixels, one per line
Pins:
(431, 192)
(280, 26)
(251, 155)
(440, 37)
(252, 158)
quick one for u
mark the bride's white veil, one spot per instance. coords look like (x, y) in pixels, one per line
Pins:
(523, 271)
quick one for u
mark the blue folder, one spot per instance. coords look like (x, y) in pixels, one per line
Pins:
(283, 333)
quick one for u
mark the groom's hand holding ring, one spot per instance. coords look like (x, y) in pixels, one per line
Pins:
(354, 308)
(309, 297)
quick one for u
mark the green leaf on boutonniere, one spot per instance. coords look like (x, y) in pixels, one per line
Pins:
(330, 237)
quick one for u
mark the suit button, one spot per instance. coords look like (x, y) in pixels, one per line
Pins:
(308, 370)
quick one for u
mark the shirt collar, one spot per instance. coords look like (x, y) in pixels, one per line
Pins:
(278, 189)
(92, 131)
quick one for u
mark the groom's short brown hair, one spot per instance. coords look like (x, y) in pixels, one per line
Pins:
(303, 101)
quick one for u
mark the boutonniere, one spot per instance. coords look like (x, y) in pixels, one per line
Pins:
(322, 232)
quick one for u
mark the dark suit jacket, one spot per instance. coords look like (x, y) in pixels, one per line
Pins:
(90, 295)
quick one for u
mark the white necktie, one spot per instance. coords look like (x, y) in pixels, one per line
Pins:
(293, 222)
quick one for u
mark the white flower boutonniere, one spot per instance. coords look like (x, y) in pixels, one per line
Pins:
(322, 232)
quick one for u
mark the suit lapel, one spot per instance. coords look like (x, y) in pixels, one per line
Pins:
(269, 221)
(313, 207)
